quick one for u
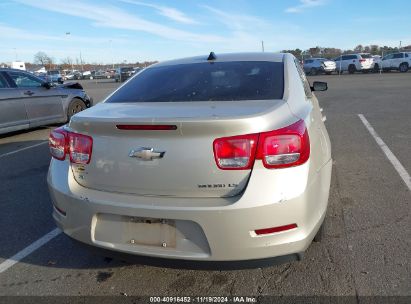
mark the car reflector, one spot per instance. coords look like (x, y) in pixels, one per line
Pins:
(275, 229)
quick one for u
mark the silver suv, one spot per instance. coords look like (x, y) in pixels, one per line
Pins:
(313, 66)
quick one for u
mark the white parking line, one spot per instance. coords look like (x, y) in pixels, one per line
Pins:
(22, 149)
(391, 157)
(29, 249)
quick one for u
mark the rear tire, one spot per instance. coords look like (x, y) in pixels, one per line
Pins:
(403, 67)
(75, 106)
(351, 69)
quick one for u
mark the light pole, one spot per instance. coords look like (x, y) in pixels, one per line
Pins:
(68, 35)
(111, 52)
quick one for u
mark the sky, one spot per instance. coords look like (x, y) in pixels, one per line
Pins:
(107, 31)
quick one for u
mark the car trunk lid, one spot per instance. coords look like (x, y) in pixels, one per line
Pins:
(120, 161)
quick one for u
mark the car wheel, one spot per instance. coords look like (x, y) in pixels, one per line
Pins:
(75, 106)
(351, 69)
(313, 71)
(376, 68)
(403, 67)
(320, 234)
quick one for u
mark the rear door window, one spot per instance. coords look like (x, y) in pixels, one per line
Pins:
(398, 55)
(209, 81)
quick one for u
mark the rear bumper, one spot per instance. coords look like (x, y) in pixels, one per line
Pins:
(218, 233)
(190, 264)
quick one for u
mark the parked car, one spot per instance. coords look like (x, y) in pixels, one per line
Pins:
(124, 73)
(397, 61)
(218, 158)
(313, 66)
(87, 74)
(354, 62)
(376, 63)
(100, 75)
(54, 76)
(27, 101)
(111, 73)
(74, 76)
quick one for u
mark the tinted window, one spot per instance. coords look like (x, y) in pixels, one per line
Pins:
(308, 61)
(365, 55)
(205, 82)
(3, 83)
(24, 80)
(398, 55)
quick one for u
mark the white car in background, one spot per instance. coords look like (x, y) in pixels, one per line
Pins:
(352, 63)
(397, 61)
(313, 66)
(377, 63)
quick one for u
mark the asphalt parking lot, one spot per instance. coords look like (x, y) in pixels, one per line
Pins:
(365, 251)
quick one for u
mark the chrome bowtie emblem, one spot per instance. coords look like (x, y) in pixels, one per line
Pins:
(146, 154)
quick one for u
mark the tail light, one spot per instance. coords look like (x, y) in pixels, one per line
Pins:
(57, 143)
(235, 153)
(361, 60)
(285, 147)
(78, 146)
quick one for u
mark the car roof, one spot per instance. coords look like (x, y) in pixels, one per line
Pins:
(14, 70)
(260, 56)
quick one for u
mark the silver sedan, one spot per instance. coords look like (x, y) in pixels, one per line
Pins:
(212, 158)
(27, 101)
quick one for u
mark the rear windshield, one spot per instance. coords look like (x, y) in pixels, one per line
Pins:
(366, 56)
(222, 81)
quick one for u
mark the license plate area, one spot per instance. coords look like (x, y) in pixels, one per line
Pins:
(135, 231)
(152, 232)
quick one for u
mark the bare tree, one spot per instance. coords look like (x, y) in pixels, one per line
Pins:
(43, 59)
(359, 48)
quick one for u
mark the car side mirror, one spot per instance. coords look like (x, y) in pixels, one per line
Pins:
(319, 86)
(46, 85)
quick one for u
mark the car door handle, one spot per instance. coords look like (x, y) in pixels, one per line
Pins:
(29, 93)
